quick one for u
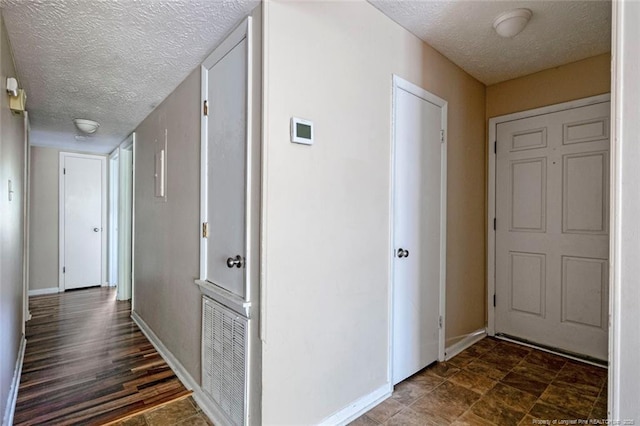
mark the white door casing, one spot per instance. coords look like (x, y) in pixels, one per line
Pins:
(83, 217)
(125, 219)
(114, 178)
(418, 229)
(551, 238)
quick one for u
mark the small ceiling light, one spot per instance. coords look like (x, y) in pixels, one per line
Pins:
(511, 23)
(88, 127)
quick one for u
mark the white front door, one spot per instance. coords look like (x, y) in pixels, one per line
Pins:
(418, 266)
(82, 220)
(226, 165)
(552, 236)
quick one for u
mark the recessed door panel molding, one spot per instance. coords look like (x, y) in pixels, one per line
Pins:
(529, 195)
(532, 139)
(550, 234)
(586, 131)
(528, 277)
(584, 193)
(584, 290)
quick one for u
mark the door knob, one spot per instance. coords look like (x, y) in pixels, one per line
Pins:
(96, 229)
(403, 253)
(235, 261)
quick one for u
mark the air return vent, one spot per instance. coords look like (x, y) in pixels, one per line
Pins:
(224, 349)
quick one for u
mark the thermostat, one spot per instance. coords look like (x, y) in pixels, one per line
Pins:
(301, 131)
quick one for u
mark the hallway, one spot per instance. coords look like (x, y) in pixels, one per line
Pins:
(86, 362)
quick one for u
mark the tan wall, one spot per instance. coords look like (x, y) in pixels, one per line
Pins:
(167, 239)
(43, 218)
(12, 147)
(589, 77)
(326, 207)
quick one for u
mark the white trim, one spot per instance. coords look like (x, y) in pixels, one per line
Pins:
(26, 217)
(399, 83)
(465, 343)
(359, 407)
(43, 291)
(189, 382)
(133, 219)
(114, 190)
(10, 408)
(125, 218)
(104, 236)
(491, 187)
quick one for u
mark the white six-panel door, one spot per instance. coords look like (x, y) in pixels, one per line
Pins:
(418, 228)
(552, 204)
(82, 220)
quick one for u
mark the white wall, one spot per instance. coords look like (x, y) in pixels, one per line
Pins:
(625, 374)
(326, 247)
(44, 209)
(11, 225)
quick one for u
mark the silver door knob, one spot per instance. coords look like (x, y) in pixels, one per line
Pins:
(402, 253)
(235, 261)
(96, 229)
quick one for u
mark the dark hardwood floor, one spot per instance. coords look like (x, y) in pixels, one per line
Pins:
(86, 362)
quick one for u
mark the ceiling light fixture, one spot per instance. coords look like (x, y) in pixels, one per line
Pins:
(512, 22)
(88, 127)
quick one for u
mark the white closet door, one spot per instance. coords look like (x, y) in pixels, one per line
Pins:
(552, 236)
(227, 139)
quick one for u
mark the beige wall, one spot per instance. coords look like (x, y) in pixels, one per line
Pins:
(326, 207)
(167, 239)
(43, 218)
(589, 77)
(11, 226)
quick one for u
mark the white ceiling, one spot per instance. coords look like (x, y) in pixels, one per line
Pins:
(559, 32)
(114, 61)
(109, 61)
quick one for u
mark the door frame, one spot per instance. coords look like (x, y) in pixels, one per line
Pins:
(61, 225)
(125, 219)
(491, 188)
(399, 83)
(114, 197)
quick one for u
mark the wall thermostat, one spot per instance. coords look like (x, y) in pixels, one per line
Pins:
(301, 131)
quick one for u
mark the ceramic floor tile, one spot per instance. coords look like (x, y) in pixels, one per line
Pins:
(512, 397)
(504, 360)
(543, 411)
(407, 392)
(447, 401)
(490, 370)
(462, 359)
(426, 380)
(496, 412)
(534, 372)
(472, 381)
(364, 420)
(509, 348)
(546, 360)
(385, 410)
(171, 414)
(197, 420)
(443, 369)
(523, 383)
(527, 421)
(470, 419)
(584, 377)
(409, 417)
(138, 420)
(570, 400)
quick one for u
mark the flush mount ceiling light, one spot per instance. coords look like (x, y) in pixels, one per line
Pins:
(512, 22)
(86, 126)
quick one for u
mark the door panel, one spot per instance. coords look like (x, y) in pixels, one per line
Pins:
(227, 121)
(83, 231)
(552, 242)
(417, 229)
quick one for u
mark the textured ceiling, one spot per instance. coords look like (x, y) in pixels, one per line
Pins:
(559, 32)
(107, 60)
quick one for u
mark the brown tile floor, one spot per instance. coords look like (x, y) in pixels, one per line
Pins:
(495, 383)
(184, 412)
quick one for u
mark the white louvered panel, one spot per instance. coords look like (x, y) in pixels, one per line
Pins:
(224, 344)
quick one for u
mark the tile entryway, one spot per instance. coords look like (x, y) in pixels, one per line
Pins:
(496, 383)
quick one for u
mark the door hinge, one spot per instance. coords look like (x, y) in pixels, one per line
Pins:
(494, 223)
(494, 300)
(64, 270)
(205, 108)
(440, 322)
(205, 230)
(495, 147)
(64, 171)
(442, 136)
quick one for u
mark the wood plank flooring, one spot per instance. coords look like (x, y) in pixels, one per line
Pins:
(86, 362)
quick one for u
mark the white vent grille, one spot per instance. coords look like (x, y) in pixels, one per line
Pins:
(224, 343)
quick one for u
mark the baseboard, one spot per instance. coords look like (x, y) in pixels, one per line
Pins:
(43, 291)
(209, 408)
(464, 343)
(15, 383)
(359, 407)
